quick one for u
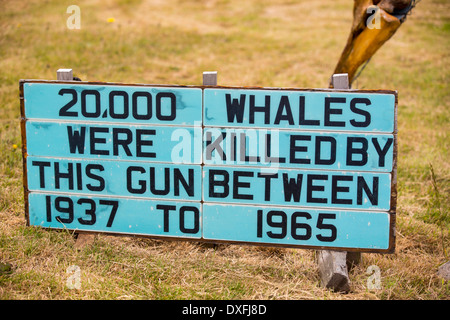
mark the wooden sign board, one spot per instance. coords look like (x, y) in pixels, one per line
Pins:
(278, 167)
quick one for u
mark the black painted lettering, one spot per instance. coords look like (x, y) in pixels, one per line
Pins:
(121, 137)
(267, 178)
(282, 224)
(214, 145)
(141, 142)
(79, 175)
(382, 152)
(41, 165)
(296, 225)
(292, 187)
(196, 227)
(142, 184)
(371, 194)
(89, 211)
(64, 111)
(166, 209)
(302, 120)
(173, 106)
(294, 148)
(213, 183)
(267, 156)
(352, 150)
(319, 150)
(233, 147)
(284, 112)
(89, 172)
(259, 223)
(64, 209)
(166, 181)
(148, 106)
(84, 110)
(264, 109)
(336, 188)
(48, 207)
(94, 140)
(311, 187)
(323, 226)
(179, 178)
(243, 148)
(63, 175)
(76, 139)
(112, 104)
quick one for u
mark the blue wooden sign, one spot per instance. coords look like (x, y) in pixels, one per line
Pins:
(278, 167)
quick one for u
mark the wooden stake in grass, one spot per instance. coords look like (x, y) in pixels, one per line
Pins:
(333, 265)
(82, 239)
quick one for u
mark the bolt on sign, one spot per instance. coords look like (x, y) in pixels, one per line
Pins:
(265, 166)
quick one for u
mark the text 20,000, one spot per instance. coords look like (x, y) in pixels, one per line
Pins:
(277, 221)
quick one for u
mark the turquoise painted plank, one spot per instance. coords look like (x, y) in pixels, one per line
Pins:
(305, 188)
(296, 226)
(301, 150)
(118, 142)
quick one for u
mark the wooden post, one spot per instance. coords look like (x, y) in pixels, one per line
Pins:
(210, 78)
(340, 81)
(334, 265)
(82, 239)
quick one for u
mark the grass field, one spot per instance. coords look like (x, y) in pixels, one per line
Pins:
(279, 43)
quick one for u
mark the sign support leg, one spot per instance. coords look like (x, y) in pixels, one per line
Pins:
(334, 265)
(82, 239)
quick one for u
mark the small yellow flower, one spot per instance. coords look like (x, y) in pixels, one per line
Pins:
(111, 20)
(14, 146)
